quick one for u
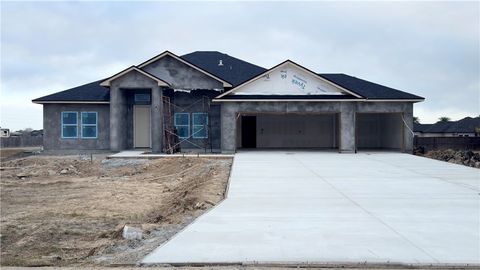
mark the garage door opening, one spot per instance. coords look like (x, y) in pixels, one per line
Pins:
(379, 131)
(288, 131)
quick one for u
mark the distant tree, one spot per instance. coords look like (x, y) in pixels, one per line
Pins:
(444, 119)
(416, 120)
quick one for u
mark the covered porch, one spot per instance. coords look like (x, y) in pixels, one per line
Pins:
(136, 110)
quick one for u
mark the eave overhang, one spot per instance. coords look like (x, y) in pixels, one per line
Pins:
(108, 81)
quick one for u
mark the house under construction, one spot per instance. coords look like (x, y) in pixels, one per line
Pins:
(210, 101)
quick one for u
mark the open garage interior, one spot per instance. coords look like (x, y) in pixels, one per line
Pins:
(379, 131)
(287, 131)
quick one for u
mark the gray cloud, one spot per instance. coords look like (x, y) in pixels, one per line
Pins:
(430, 49)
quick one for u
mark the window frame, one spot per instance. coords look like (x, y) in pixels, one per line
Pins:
(89, 125)
(135, 101)
(204, 125)
(187, 125)
(69, 125)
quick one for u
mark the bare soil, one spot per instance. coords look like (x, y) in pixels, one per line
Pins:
(70, 211)
(359, 266)
(12, 153)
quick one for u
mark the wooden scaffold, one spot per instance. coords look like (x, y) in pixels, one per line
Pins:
(172, 140)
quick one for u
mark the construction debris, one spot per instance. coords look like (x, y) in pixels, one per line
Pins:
(132, 233)
(467, 158)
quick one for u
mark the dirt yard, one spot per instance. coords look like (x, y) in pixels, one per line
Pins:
(266, 267)
(70, 211)
(11, 153)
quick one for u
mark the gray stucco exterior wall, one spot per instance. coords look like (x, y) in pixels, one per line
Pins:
(222, 119)
(180, 75)
(120, 125)
(52, 127)
(347, 111)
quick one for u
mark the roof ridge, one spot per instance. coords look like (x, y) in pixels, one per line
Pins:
(238, 59)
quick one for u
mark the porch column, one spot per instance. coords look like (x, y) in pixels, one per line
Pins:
(347, 127)
(157, 120)
(117, 119)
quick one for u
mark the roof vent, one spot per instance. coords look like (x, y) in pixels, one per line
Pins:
(220, 62)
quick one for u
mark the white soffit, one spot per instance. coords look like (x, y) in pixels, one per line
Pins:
(288, 79)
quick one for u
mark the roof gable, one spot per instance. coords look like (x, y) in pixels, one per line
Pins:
(167, 53)
(108, 81)
(289, 78)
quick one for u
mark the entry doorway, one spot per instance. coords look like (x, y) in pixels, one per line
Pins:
(249, 131)
(141, 126)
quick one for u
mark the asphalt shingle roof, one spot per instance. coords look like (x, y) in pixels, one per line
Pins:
(87, 92)
(467, 124)
(234, 71)
(367, 89)
(421, 127)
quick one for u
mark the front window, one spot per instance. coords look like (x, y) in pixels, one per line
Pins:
(142, 98)
(182, 125)
(200, 124)
(69, 125)
(89, 125)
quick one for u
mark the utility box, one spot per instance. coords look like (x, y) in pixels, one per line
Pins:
(4, 132)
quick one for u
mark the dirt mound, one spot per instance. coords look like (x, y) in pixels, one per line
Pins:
(467, 158)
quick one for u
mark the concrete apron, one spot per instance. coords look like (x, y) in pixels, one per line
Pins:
(341, 209)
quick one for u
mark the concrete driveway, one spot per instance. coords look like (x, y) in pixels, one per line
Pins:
(286, 207)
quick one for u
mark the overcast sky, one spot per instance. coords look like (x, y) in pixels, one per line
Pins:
(426, 48)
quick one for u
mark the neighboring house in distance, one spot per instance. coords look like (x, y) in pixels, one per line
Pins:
(215, 102)
(418, 128)
(466, 127)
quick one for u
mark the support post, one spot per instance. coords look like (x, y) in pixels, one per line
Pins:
(117, 119)
(228, 128)
(408, 130)
(157, 120)
(347, 128)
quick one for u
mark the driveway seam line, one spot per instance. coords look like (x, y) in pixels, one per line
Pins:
(366, 211)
